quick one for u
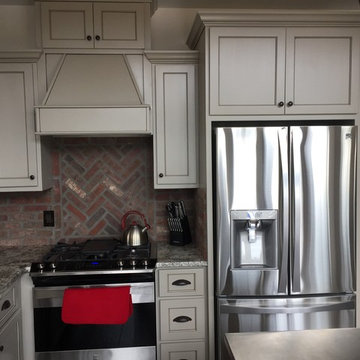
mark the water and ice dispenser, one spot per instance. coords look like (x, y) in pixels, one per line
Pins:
(254, 242)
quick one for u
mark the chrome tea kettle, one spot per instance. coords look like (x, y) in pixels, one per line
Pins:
(135, 234)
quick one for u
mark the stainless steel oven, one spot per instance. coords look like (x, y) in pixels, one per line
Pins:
(56, 340)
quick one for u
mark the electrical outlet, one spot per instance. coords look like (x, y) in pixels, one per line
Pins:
(49, 218)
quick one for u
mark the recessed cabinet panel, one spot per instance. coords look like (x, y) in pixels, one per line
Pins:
(118, 25)
(183, 351)
(176, 151)
(322, 70)
(10, 336)
(182, 282)
(17, 139)
(246, 70)
(66, 24)
(182, 319)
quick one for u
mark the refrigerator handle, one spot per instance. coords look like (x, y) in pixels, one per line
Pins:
(283, 145)
(248, 309)
(296, 136)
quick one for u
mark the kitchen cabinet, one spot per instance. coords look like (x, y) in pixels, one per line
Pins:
(175, 128)
(24, 160)
(181, 307)
(91, 25)
(10, 324)
(283, 70)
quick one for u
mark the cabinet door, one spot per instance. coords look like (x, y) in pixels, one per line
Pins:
(10, 339)
(247, 70)
(67, 25)
(119, 25)
(176, 131)
(183, 351)
(18, 150)
(322, 70)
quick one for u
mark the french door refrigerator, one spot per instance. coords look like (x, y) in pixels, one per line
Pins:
(285, 208)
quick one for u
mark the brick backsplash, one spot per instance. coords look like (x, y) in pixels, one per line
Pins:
(96, 180)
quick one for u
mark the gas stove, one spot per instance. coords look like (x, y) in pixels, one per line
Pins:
(95, 256)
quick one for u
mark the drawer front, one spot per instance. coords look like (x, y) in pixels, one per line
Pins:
(181, 282)
(183, 351)
(8, 303)
(182, 319)
(10, 345)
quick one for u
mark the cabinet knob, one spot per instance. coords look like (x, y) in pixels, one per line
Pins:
(281, 104)
(182, 319)
(89, 38)
(32, 177)
(1, 348)
(97, 37)
(161, 175)
(290, 103)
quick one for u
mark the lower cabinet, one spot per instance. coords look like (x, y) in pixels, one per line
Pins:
(181, 308)
(10, 338)
(10, 324)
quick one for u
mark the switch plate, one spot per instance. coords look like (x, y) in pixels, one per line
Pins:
(49, 218)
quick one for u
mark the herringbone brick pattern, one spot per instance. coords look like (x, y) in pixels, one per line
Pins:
(100, 183)
(96, 180)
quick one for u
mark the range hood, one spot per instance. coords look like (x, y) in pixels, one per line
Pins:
(96, 94)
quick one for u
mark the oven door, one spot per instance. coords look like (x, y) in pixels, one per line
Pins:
(55, 340)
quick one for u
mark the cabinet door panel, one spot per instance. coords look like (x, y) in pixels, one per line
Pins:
(17, 158)
(247, 68)
(10, 336)
(322, 70)
(66, 25)
(176, 152)
(119, 25)
(183, 351)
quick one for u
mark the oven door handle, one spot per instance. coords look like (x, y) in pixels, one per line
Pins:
(45, 297)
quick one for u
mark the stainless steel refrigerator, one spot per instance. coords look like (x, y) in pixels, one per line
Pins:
(285, 208)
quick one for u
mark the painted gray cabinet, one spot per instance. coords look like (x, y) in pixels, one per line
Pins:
(283, 70)
(175, 123)
(10, 324)
(88, 25)
(21, 153)
(181, 307)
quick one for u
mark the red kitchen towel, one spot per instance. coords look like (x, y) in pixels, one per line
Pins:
(102, 305)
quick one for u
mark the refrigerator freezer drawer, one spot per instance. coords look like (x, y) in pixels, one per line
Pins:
(248, 315)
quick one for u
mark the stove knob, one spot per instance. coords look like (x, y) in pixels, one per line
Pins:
(52, 266)
(121, 263)
(145, 263)
(40, 266)
(133, 263)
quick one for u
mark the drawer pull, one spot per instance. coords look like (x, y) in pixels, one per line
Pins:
(2, 348)
(181, 282)
(182, 319)
(5, 305)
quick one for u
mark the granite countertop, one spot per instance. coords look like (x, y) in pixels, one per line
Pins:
(179, 256)
(329, 344)
(15, 260)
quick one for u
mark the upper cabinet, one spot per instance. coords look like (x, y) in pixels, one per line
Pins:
(101, 25)
(24, 160)
(283, 70)
(279, 63)
(175, 126)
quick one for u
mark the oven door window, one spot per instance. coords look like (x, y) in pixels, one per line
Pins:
(51, 334)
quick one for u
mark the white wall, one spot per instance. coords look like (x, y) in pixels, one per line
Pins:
(17, 30)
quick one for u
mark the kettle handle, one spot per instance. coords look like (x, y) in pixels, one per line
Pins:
(133, 212)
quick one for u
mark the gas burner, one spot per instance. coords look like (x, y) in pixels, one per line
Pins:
(93, 256)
